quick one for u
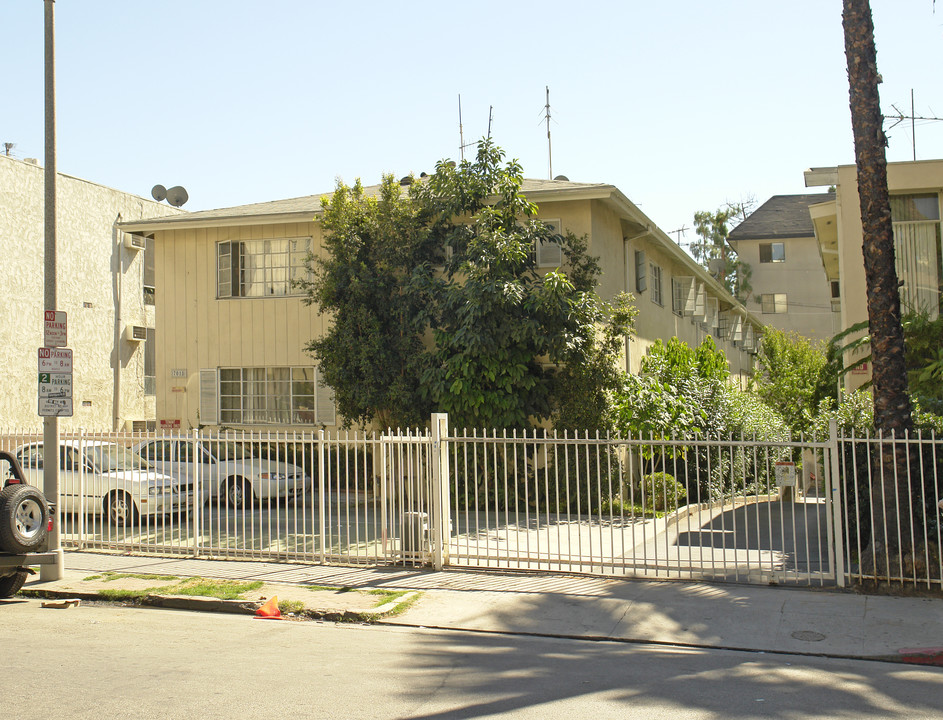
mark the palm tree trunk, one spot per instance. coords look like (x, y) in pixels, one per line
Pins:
(891, 544)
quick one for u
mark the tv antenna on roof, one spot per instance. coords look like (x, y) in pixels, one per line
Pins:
(461, 135)
(549, 149)
(900, 117)
(679, 232)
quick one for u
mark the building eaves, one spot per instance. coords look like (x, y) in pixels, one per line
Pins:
(308, 207)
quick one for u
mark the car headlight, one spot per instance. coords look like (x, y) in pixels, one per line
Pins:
(158, 490)
(277, 477)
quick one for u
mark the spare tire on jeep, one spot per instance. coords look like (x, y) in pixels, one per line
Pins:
(24, 516)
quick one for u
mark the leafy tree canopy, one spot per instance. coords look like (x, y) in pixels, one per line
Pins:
(714, 253)
(793, 375)
(438, 303)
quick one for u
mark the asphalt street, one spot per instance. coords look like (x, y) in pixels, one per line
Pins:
(114, 662)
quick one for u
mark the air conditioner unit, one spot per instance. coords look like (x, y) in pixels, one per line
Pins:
(134, 242)
(135, 333)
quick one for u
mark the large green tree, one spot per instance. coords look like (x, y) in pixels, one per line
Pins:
(503, 327)
(437, 303)
(794, 375)
(713, 251)
(373, 280)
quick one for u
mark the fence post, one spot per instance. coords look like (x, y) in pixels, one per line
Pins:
(198, 499)
(322, 500)
(835, 498)
(439, 530)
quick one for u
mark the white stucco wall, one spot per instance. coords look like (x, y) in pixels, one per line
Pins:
(99, 287)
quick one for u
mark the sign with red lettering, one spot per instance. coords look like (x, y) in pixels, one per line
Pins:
(55, 330)
(55, 360)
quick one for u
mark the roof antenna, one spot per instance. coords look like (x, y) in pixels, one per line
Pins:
(549, 148)
(461, 134)
(490, 116)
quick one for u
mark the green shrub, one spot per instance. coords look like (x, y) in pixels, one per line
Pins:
(661, 492)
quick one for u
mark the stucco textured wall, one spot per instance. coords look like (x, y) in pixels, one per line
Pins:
(99, 286)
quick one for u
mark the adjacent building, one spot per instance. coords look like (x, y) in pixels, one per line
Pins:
(915, 189)
(790, 288)
(105, 286)
(232, 327)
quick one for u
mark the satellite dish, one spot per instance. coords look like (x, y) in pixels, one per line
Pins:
(177, 196)
(562, 177)
(158, 192)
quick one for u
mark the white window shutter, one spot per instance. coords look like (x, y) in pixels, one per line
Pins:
(209, 406)
(696, 302)
(325, 410)
(712, 313)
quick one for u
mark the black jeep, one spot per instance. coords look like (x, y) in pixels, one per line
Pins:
(25, 519)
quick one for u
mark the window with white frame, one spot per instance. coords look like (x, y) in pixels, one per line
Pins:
(772, 252)
(150, 363)
(773, 303)
(918, 251)
(654, 276)
(641, 272)
(272, 395)
(261, 268)
(550, 252)
(148, 271)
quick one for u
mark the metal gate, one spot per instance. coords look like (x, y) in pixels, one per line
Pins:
(738, 509)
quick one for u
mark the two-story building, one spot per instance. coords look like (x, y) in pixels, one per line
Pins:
(233, 327)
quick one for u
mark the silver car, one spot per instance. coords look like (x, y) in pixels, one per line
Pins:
(225, 468)
(107, 478)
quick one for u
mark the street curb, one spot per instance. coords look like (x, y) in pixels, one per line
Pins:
(238, 607)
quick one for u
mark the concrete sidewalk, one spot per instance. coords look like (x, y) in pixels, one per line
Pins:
(742, 617)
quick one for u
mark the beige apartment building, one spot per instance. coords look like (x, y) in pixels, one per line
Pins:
(790, 290)
(915, 189)
(105, 286)
(232, 327)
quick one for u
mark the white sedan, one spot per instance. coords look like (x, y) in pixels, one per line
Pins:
(107, 478)
(225, 468)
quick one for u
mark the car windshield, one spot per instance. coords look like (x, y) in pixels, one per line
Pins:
(114, 458)
(232, 451)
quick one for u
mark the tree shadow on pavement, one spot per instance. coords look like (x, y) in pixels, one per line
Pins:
(488, 674)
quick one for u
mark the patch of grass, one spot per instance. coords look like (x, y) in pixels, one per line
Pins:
(319, 588)
(196, 586)
(291, 606)
(387, 596)
(393, 595)
(110, 576)
(222, 589)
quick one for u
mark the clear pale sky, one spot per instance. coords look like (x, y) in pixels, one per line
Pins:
(683, 105)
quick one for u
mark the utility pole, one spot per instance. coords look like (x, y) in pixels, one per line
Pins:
(50, 424)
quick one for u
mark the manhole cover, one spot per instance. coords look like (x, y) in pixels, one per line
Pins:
(808, 635)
